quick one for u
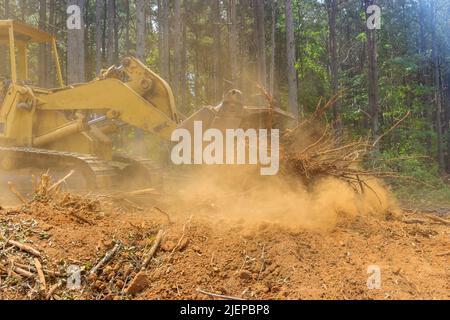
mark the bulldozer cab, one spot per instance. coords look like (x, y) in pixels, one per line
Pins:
(17, 37)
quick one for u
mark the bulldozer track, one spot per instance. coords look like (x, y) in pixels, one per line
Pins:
(97, 172)
(145, 166)
(134, 160)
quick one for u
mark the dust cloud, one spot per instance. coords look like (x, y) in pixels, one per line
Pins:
(235, 193)
(7, 198)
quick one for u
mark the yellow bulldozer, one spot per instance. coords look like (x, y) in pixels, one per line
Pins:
(69, 126)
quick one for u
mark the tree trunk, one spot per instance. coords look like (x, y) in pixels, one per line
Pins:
(99, 21)
(23, 7)
(52, 17)
(141, 46)
(177, 47)
(89, 64)
(5, 14)
(3, 66)
(184, 64)
(423, 47)
(110, 13)
(292, 72)
(116, 33)
(273, 48)
(51, 72)
(261, 41)
(233, 43)
(217, 74)
(447, 120)
(165, 53)
(437, 90)
(42, 47)
(140, 29)
(127, 28)
(104, 32)
(160, 37)
(374, 110)
(334, 64)
(75, 49)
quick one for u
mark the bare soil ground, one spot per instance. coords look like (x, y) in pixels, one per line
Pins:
(205, 252)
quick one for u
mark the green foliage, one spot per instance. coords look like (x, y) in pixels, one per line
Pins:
(361, 37)
(417, 181)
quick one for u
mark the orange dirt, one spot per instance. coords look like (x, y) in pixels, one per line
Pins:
(203, 249)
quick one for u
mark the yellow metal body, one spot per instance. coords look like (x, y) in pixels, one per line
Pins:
(58, 119)
(36, 117)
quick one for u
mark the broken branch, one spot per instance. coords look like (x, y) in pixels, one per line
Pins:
(61, 181)
(148, 257)
(13, 189)
(106, 258)
(40, 272)
(23, 247)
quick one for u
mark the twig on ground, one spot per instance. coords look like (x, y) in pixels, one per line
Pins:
(221, 296)
(76, 215)
(413, 221)
(181, 238)
(164, 213)
(263, 261)
(33, 269)
(23, 247)
(437, 219)
(149, 256)
(23, 272)
(133, 205)
(106, 258)
(52, 290)
(40, 272)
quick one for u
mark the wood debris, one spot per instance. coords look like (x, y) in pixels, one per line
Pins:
(108, 256)
(23, 247)
(151, 253)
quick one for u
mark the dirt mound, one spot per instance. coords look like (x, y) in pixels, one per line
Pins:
(204, 252)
